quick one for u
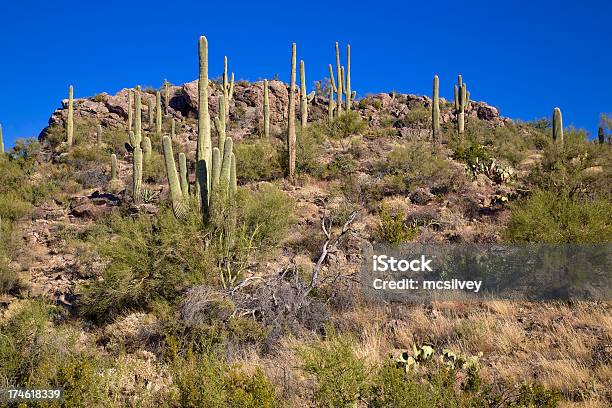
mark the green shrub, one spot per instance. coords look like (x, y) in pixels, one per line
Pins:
(342, 165)
(410, 166)
(418, 116)
(12, 207)
(341, 377)
(555, 217)
(258, 161)
(204, 381)
(392, 228)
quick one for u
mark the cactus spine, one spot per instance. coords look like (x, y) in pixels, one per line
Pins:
(291, 137)
(600, 136)
(130, 97)
(303, 96)
(176, 193)
(137, 117)
(70, 123)
(557, 126)
(266, 105)
(462, 99)
(1, 141)
(113, 166)
(158, 114)
(137, 175)
(228, 87)
(99, 136)
(166, 95)
(349, 94)
(435, 111)
(204, 144)
(146, 149)
(183, 174)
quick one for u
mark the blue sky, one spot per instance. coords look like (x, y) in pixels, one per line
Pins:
(523, 57)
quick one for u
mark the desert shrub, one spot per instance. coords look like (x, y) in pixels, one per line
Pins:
(99, 98)
(204, 381)
(342, 165)
(412, 165)
(579, 168)
(418, 116)
(258, 161)
(148, 257)
(12, 207)
(556, 217)
(341, 377)
(392, 227)
(308, 152)
(154, 170)
(10, 243)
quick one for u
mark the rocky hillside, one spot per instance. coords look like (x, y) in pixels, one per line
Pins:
(144, 306)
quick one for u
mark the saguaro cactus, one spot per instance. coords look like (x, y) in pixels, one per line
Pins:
(137, 117)
(176, 194)
(113, 167)
(291, 137)
(435, 111)
(172, 129)
(220, 123)
(228, 87)
(233, 184)
(226, 166)
(70, 122)
(130, 96)
(99, 136)
(146, 149)
(339, 84)
(1, 141)
(137, 175)
(151, 110)
(183, 174)
(158, 114)
(204, 144)
(462, 99)
(166, 95)
(303, 96)
(349, 94)
(600, 135)
(266, 109)
(216, 168)
(557, 126)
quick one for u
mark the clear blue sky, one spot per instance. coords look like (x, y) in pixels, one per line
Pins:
(525, 57)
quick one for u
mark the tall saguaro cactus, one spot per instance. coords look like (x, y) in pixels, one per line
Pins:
(1, 141)
(158, 114)
(137, 175)
(435, 111)
(228, 87)
(166, 95)
(70, 122)
(146, 149)
(291, 137)
(176, 193)
(349, 95)
(204, 144)
(266, 109)
(172, 129)
(557, 126)
(600, 135)
(137, 117)
(462, 99)
(339, 84)
(113, 166)
(130, 108)
(151, 117)
(303, 96)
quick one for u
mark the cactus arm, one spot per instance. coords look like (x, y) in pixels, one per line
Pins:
(339, 84)
(226, 165)
(146, 149)
(233, 185)
(130, 120)
(331, 78)
(113, 166)
(183, 174)
(137, 117)
(176, 193)
(303, 96)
